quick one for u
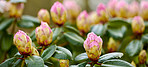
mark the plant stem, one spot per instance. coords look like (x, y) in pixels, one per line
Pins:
(13, 27)
(42, 49)
(92, 64)
(22, 65)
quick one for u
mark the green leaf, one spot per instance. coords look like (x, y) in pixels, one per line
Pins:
(110, 56)
(117, 22)
(48, 52)
(146, 23)
(66, 51)
(134, 47)
(144, 38)
(7, 63)
(116, 63)
(25, 24)
(99, 29)
(34, 61)
(7, 41)
(81, 57)
(83, 64)
(6, 23)
(60, 55)
(31, 19)
(74, 38)
(117, 32)
(56, 33)
(17, 1)
(32, 35)
(12, 51)
(71, 28)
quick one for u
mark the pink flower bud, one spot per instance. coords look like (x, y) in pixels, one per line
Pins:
(82, 22)
(44, 34)
(73, 9)
(102, 13)
(144, 10)
(16, 10)
(64, 63)
(133, 9)
(122, 9)
(93, 18)
(111, 7)
(133, 63)
(23, 43)
(93, 46)
(111, 46)
(58, 13)
(142, 57)
(43, 15)
(4, 6)
(34, 51)
(138, 25)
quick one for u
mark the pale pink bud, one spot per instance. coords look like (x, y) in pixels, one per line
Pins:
(4, 6)
(122, 9)
(58, 13)
(138, 26)
(44, 34)
(82, 22)
(111, 7)
(93, 46)
(112, 45)
(23, 43)
(43, 15)
(144, 10)
(102, 13)
(133, 9)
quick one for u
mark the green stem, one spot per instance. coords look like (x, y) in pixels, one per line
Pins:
(22, 65)
(92, 64)
(13, 27)
(42, 49)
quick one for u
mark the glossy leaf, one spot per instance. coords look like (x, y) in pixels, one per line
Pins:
(71, 28)
(31, 19)
(134, 47)
(32, 35)
(81, 57)
(48, 52)
(56, 33)
(8, 62)
(25, 24)
(66, 51)
(99, 29)
(6, 23)
(116, 63)
(34, 61)
(74, 38)
(110, 56)
(117, 22)
(145, 38)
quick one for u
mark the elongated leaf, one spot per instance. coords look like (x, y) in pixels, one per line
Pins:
(60, 55)
(66, 51)
(17, 1)
(25, 24)
(99, 29)
(116, 63)
(34, 61)
(74, 38)
(71, 28)
(81, 57)
(83, 64)
(7, 41)
(31, 19)
(145, 38)
(7, 63)
(110, 56)
(56, 33)
(48, 52)
(134, 47)
(6, 23)
(117, 32)
(117, 22)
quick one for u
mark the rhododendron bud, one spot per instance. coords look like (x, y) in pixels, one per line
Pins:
(111, 7)
(102, 13)
(16, 10)
(43, 15)
(93, 18)
(142, 57)
(112, 46)
(4, 6)
(23, 43)
(44, 34)
(82, 22)
(93, 46)
(138, 25)
(58, 13)
(133, 63)
(73, 9)
(64, 63)
(133, 9)
(34, 51)
(122, 9)
(144, 10)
